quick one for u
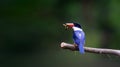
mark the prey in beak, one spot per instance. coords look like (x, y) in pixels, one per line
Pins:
(68, 25)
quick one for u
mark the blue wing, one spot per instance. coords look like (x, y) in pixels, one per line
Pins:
(79, 39)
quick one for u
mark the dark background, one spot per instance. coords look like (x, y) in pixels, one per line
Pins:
(31, 32)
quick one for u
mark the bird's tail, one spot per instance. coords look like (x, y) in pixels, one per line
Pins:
(81, 49)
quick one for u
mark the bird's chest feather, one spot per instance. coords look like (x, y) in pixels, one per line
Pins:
(76, 36)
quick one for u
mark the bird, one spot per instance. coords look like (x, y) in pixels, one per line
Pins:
(78, 35)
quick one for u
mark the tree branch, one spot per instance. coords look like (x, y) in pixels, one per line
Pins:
(90, 49)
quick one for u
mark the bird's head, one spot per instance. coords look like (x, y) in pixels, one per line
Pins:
(70, 25)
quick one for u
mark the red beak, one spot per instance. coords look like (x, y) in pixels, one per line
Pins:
(70, 25)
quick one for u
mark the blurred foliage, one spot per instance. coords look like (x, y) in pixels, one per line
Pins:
(31, 32)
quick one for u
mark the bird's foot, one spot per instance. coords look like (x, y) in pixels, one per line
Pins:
(75, 45)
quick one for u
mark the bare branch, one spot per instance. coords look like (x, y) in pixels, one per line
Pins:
(90, 49)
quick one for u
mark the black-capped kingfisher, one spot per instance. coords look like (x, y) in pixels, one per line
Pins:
(78, 35)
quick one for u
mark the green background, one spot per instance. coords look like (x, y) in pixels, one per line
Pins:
(31, 32)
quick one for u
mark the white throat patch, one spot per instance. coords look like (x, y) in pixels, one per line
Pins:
(77, 29)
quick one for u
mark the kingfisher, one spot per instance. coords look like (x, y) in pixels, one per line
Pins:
(78, 35)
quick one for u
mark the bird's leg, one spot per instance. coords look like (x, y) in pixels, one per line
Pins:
(75, 45)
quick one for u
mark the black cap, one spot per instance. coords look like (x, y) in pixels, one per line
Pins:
(77, 25)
